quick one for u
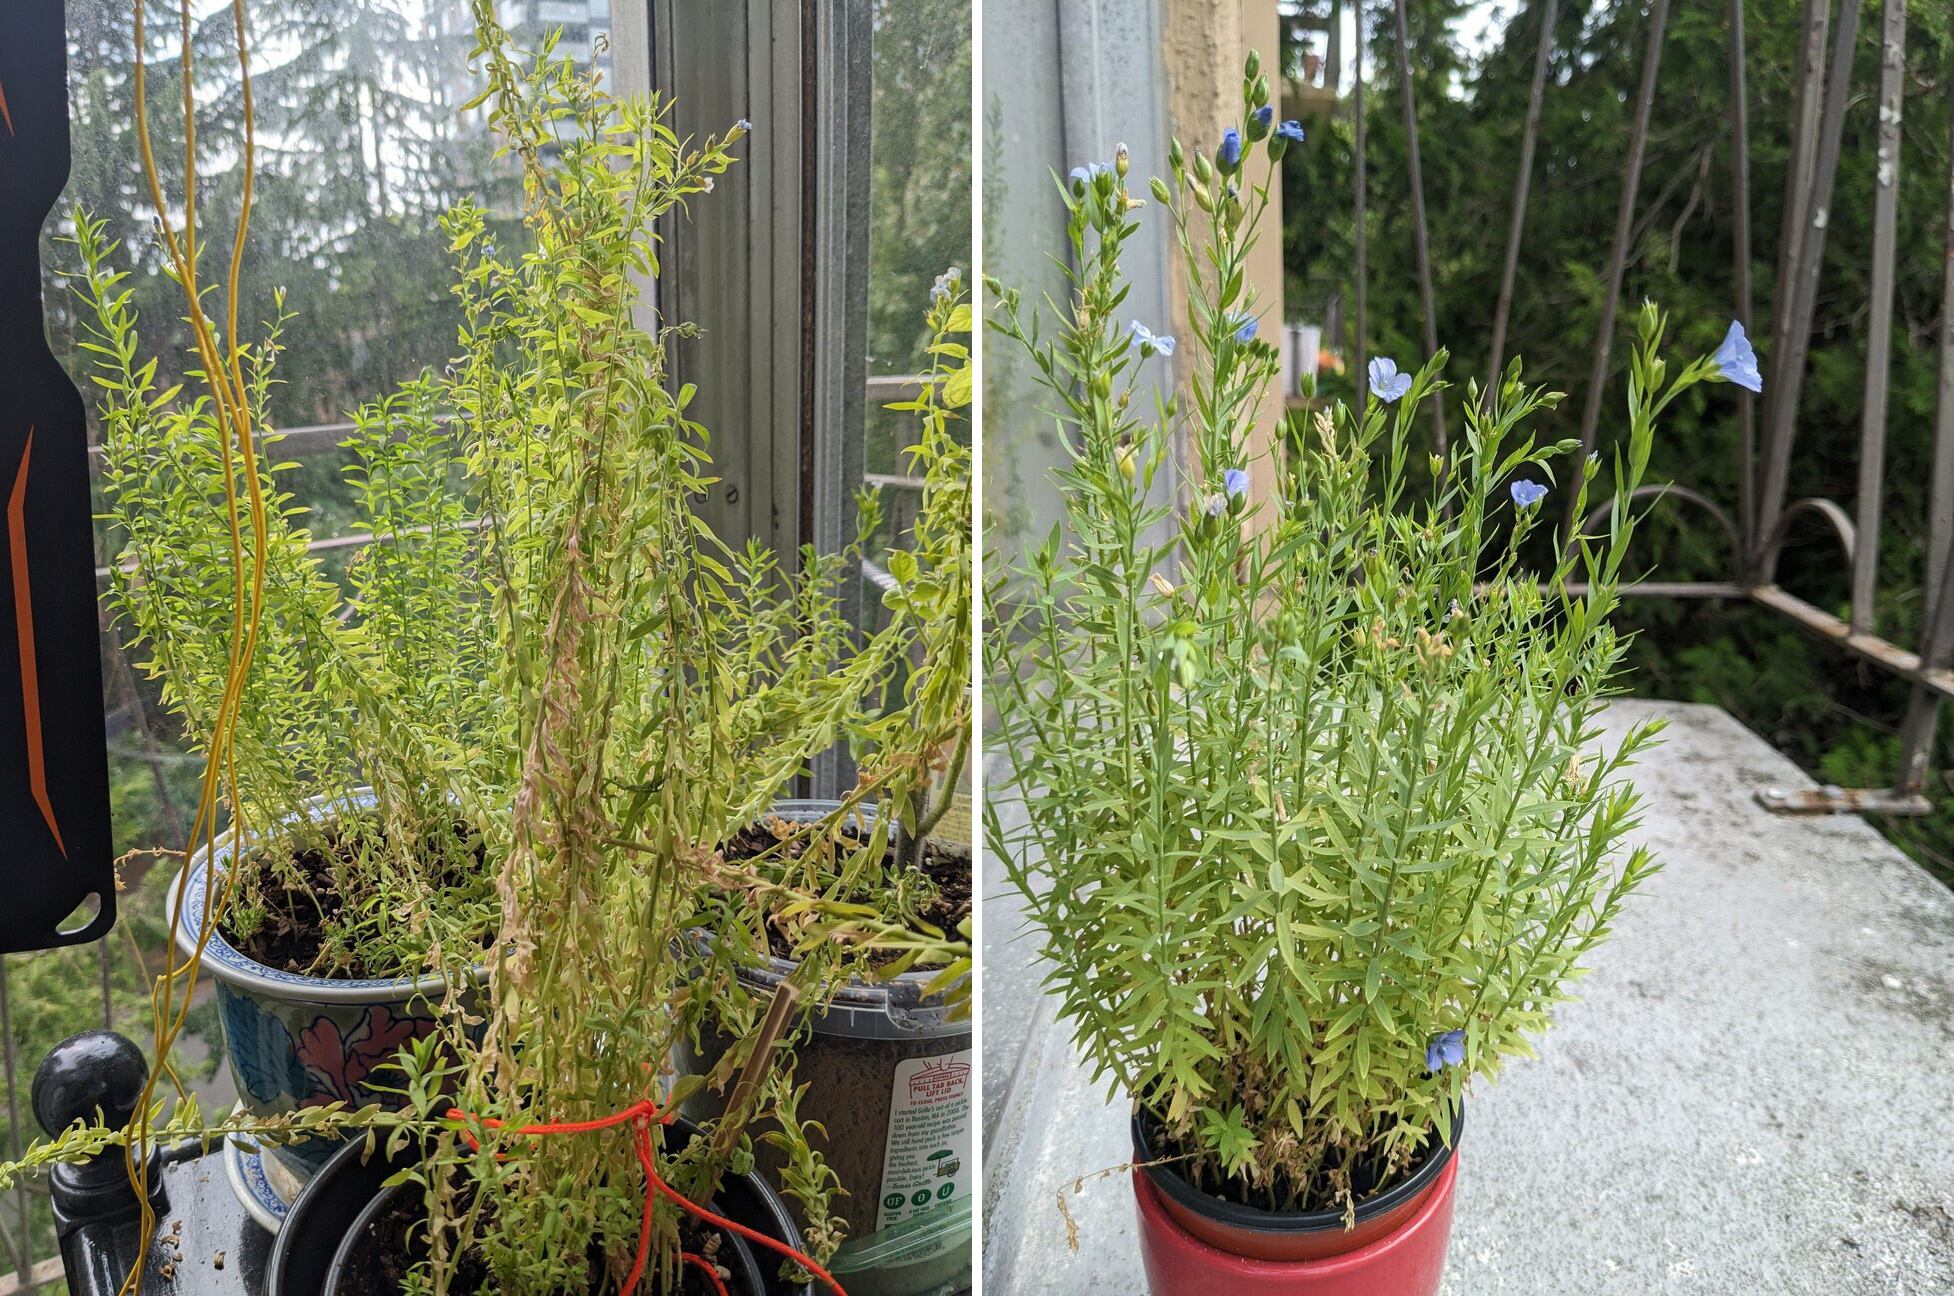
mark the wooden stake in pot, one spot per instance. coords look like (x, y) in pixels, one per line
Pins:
(739, 1107)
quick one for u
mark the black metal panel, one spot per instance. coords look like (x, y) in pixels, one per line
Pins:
(54, 797)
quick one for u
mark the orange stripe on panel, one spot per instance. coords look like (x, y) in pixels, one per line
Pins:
(30, 681)
(4, 114)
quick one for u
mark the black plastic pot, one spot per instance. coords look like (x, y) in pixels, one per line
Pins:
(868, 1048)
(1280, 1235)
(343, 1199)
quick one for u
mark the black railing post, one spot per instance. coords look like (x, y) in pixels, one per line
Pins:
(94, 1071)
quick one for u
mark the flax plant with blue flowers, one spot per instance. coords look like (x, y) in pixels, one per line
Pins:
(1317, 821)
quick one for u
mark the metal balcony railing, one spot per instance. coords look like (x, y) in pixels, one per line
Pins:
(1763, 517)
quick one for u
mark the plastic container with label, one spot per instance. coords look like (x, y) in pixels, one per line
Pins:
(927, 1255)
(892, 1079)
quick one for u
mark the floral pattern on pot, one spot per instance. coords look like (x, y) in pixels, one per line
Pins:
(326, 1061)
(285, 1054)
(295, 1040)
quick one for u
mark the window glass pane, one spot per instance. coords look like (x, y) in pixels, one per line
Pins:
(920, 186)
(919, 196)
(360, 149)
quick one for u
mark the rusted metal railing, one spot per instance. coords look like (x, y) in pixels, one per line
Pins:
(1638, 147)
(1764, 516)
(1421, 231)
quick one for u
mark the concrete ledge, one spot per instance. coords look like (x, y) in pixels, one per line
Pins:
(1755, 1092)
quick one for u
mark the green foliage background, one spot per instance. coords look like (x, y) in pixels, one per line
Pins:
(1834, 715)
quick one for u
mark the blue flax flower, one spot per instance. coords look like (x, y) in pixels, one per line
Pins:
(1229, 155)
(1235, 482)
(1245, 326)
(1290, 132)
(1387, 384)
(1146, 339)
(1216, 504)
(1526, 493)
(1738, 361)
(1258, 122)
(1448, 1049)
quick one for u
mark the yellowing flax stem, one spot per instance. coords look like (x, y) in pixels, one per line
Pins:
(223, 374)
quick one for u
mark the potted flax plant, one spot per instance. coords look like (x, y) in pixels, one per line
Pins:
(658, 688)
(1318, 825)
(522, 742)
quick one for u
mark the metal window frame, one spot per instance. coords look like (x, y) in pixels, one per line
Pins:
(773, 267)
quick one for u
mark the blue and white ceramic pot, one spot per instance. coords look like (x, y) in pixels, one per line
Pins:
(298, 1041)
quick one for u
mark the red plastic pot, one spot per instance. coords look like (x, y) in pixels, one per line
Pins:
(1193, 1247)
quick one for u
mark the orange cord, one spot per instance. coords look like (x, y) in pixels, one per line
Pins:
(640, 1116)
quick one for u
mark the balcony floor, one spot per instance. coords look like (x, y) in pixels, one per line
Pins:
(1755, 1092)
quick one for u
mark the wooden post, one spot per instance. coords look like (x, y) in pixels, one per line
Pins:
(739, 1107)
(1204, 49)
